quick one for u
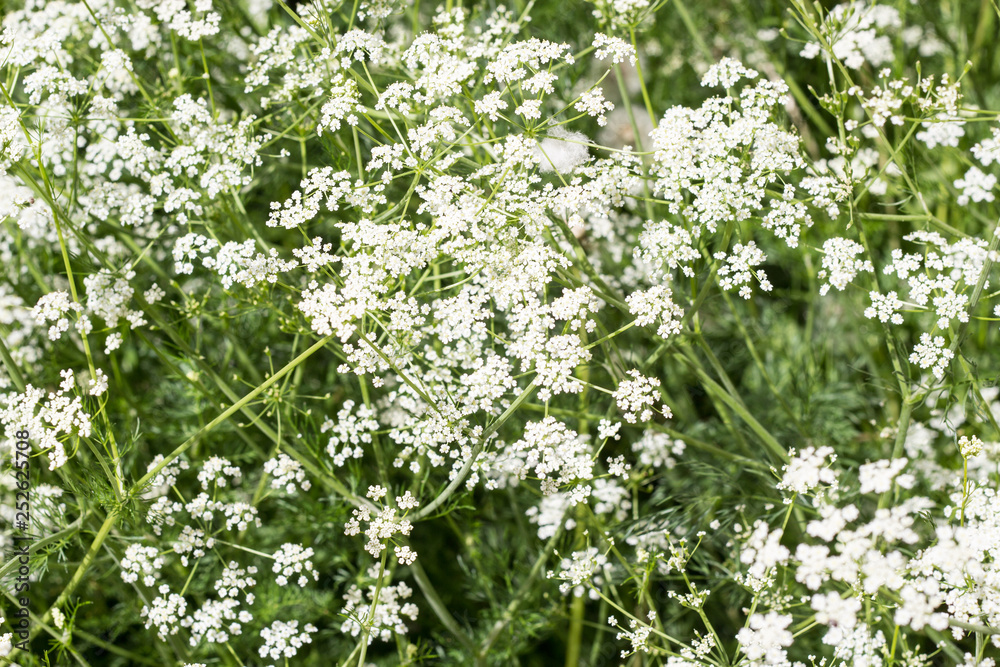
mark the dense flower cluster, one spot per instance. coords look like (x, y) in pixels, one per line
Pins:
(273, 277)
(379, 611)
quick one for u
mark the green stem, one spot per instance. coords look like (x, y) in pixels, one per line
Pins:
(734, 404)
(184, 446)
(81, 570)
(12, 370)
(642, 80)
(473, 455)
(439, 608)
(519, 598)
(37, 545)
(371, 611)
(897, 450)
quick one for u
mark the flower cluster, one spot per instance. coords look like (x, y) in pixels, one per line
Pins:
(386, 617)
(257, 258)
(50, 417)
(583, 571)
(383, 524)
(283, 639)
(287, 474)
(637, 398)
(293, 559)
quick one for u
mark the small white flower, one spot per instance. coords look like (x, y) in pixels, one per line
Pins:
(840, 263)
(764, 639)
(932, 353)
(637, 398)
(970, 447)
(405, 555)
(287, 474)
(592, 103)
(877, 477)
(292, 559)
(976, 186)
(615, 48)
(283, 640)
(884, 307)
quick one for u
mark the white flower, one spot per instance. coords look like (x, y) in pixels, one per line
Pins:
(381, 526)
(970, 447)
(666, 247)
(547, 450)
(613, 47)
(919, 600)
(932, 353)
(117, 72)
(351, 430)
(764, 639)
(187, 249)
(583, 571)
(322, 185)
(840, 263)
(832, 520)
(608, 429)
(737, 268)
(12, 143)
(405, 555)
(53, 307)
(884, 307)
(976, 186)
(287, 473)
(987, 151)
(292, 559)
(762, 551)
(855, 31)
(561, 150)
(655, 306)
(165, 612)
(341, 104)
(50, 418)
(407, 501)
(239, 263)
(112, 342)
(283, 640)
(218, 471)
(234, 580)
(808, 469)
(839, 614)
(971, 661)
(141, 560)
(637, 635)
(617, 468)
(555, 363)
(726, 73)
(658, 449)
(944, 130)
(530, 109)
(637, 397)
(514, 61)
(550, 514)
(592, 103)
(491, 104)
(713, 164)
(387, 618)
(877, 477)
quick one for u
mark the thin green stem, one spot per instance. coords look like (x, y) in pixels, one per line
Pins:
(77, 577)
(439, 608)
(184, 446)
